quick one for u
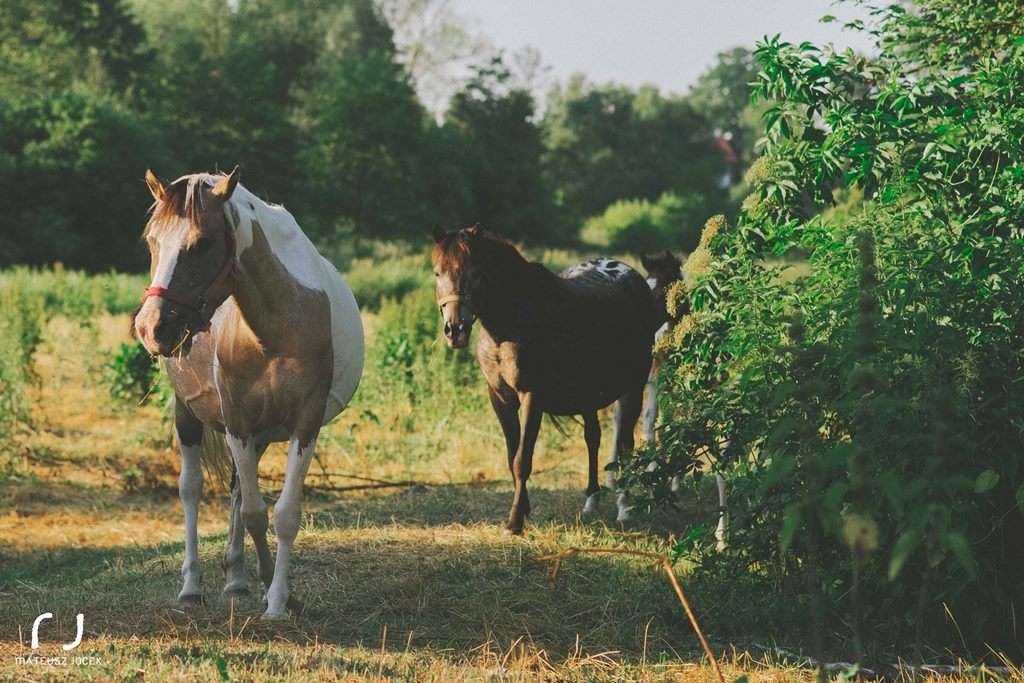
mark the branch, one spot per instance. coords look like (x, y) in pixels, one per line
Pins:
(666, 565)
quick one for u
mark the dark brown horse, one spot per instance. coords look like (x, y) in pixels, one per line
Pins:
(565, 345)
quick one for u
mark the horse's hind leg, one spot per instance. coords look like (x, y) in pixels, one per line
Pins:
(287, 518)
(627, 412)
(592, 435)
(236, 583)
(190, 490)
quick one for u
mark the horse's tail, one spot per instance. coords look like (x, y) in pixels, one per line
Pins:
(216, 458)
(558, 421)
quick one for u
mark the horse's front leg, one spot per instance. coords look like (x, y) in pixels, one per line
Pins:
(252, 509)
(507, 411)
(522, 464)
(190, 490)
(287, 518)
(650, 416)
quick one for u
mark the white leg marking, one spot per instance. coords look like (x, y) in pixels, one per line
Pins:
(723, 516)
(650, 409)
(677, 484)
(252, 509)
(190, 490)
(234, 554)
(590, 507)
(622, 501)
(287, 517)
(624, 508)
(616, 423)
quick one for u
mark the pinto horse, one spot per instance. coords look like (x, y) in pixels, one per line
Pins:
(662, 272)
(263, 342)
(564, 345)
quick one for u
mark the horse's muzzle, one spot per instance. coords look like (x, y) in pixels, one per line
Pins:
(457, 334)
(163, 332)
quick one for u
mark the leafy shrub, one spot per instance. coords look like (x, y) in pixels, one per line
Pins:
(638, 225)
(131, 374)
(21, 325)
(873, 405)
(372, 280)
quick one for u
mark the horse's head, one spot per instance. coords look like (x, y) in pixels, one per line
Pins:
(459, 274)
(662, 271)
(192, 250)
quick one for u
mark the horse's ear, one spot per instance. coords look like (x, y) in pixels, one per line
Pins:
(647, 263)
(439, 233)
(156, 188)
(475, 230)
(225, 187)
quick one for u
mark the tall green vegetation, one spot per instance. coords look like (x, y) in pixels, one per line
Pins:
(873, 406)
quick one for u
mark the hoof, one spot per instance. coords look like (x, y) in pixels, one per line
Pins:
(623, 516)
(274, 616)
(509, 531)
(236, 593)
(191, 599)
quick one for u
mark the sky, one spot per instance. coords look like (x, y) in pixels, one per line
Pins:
(667, 43)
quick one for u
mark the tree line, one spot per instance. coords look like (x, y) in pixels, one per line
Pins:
(315, 103)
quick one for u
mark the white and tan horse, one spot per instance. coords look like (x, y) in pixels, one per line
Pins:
(263, 342)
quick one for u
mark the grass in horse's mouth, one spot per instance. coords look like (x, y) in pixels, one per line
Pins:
(179, 349)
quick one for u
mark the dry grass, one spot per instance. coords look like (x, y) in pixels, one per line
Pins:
(416, 584)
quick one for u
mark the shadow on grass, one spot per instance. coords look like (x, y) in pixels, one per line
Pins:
(431, 569)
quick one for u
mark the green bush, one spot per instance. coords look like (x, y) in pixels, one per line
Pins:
(131, 374)
(638, 225)
(872, 405)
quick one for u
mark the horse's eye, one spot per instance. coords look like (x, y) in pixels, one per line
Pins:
(203, 245)
(437, 274)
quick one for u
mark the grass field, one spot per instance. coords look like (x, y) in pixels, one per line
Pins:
(410, 581)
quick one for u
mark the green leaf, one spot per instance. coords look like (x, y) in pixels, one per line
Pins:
(957, 542)
(790, 524)
(986, 481)
(222, 666)
(901, 552)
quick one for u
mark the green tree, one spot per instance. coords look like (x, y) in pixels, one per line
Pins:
(722, 95)
(609, 143)
(497, 150)
(70, 135)
(361, 130)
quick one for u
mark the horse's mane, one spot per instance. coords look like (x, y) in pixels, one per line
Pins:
(183, 201)
(491, 252)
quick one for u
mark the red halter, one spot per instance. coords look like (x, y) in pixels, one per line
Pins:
(201, 303)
